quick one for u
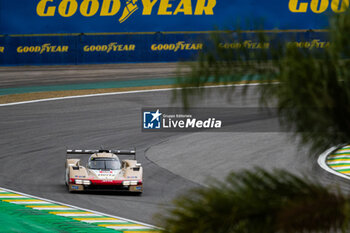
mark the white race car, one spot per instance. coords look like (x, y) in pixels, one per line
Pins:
(103, 171)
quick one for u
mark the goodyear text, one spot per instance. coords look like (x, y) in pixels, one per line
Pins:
(2, 49)
(318, 6)
(179, 46)
(314, 44)
(111, 47)
(45, 48)
(88, 8)
(245, 44)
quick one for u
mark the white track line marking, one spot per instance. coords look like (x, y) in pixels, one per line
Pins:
(76, 215)
(119, 93)
(79, 208)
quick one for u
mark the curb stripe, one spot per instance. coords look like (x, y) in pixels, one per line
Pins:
(28, 202)
(344, 150)
(144, 231)
(48, 208)
(103, 221)
(121, 225)
(343, 170)
(323, 164)
(75, 213)
(10, 195)
(339, 160)
(127, 228)
(337, 163)
(91, 219)
(336, 156)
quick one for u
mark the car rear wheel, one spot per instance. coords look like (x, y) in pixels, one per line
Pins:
(66, 178)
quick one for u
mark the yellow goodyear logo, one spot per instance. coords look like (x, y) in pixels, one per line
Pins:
(314, 44)
(179, 46)
(318, 6)
(45, 48)
(245, 44)
(111, 47)
(88, 8)
(2, 49)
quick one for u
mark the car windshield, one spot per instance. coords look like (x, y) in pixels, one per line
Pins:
(104, 164)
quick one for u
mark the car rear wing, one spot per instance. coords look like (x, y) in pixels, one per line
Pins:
(90, 152)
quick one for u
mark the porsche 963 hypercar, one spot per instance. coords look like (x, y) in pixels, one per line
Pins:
(103, 171)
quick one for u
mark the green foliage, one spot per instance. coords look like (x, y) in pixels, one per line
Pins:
(311, 90)
(309, 87)
(259, 202)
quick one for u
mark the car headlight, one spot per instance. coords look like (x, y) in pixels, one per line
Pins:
(134, 182)
(126, 182)
(78, 181)
(86, 182)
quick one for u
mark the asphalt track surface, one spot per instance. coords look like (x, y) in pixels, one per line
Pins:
(18, 76)
(34, 137)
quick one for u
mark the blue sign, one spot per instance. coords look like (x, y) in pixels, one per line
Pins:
(159, 47)
(105, 16)
(47, 32)
(152, 120)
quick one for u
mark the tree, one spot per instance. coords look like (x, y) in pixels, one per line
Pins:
(311, 91)
(311, 86)
(259, 202)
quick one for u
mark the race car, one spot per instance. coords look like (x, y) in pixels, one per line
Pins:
(104, 171)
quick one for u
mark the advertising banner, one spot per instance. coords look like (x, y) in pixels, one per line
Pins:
(113, 31)
(101, 16)
(85, 49)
